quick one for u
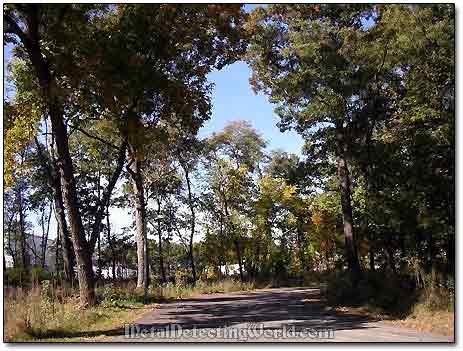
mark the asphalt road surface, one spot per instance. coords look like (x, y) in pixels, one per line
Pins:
(267, 315)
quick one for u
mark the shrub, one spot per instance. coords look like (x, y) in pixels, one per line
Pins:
(16, 276)
(390, 295)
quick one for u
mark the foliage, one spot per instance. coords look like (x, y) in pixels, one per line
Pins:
(369, 87)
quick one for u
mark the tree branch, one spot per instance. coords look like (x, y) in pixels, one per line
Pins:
(107, 194)
(13, 28)
(94, 137)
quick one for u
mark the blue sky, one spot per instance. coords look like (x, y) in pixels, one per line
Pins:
(233, 99)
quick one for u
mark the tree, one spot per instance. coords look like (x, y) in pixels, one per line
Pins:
(234, 155)
(154, 67)
(176, 70)
(29, 27)
(188, 153)
(298, 58)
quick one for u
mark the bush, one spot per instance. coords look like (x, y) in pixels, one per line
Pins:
(112, 295)
(20, 276)
(38, 274)
(16, 276)
(391, 295)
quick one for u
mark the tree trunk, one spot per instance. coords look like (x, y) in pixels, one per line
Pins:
(57, 252)
(9, 247)
(64, 162)
(192, 223)
(366, 219)
(140, 222)
(99, 269)
(45, 238)
(162, 270)
(238, 255)
(98, 262)
(110, 243)
(256, 267)
(300, 244)
(371, 254)
(62, 226)
(222, 245)
(81, 248)
(54, 182)
(344, 185)
(391, 259)
(22, 230)
(432, 253)
(236, 240)
(368, 174)
(450, 237)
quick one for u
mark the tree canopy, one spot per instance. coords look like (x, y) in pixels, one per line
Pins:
(107, 107)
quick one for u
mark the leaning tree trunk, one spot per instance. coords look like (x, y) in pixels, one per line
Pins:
(53, 101)
(344, 186)
(54, 182)
(140, 223)
(82, 251)
(64, 162)
(66, 244)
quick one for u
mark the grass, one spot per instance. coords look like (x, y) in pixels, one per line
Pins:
(172, 291)
(395, 300)
(35, 315)
(433, 312)
(51, 314)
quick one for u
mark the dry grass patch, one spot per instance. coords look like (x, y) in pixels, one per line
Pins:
(48, 313)
(43, 314)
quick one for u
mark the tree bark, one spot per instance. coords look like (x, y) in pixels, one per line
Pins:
(9, 247)
(391, 259)
(140, 223)
(22, 229)
(66, 244)
(345, 191)
(54, 182)
(81, 247)
(64, 162)
(371, 254)
(110, 243)
(162, 270)
(192, 223)
(238, 255)
(256, 265)
(99, 268)
(43, 257)
(235, 240)
(300, 244)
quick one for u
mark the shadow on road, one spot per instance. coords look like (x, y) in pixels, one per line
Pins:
(299, 307)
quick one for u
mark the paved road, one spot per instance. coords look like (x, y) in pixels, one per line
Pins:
(269, 315)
